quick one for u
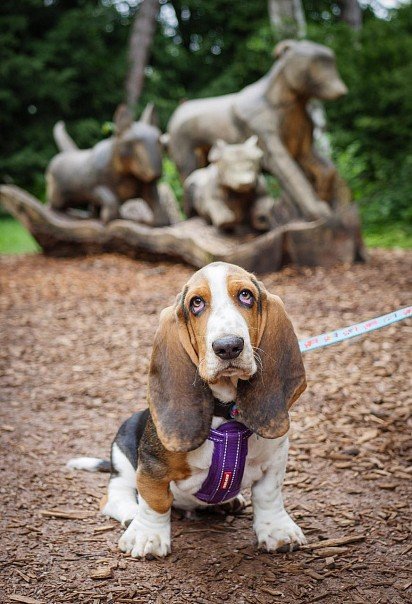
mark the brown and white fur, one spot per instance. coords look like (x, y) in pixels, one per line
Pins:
(162, 455)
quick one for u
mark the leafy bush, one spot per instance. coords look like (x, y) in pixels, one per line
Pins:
(372, 127)
(67, 60)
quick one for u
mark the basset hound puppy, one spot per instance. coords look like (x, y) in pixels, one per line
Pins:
(224, 371)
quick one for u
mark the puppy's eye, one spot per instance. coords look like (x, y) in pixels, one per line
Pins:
(246, 297)
(197, 304)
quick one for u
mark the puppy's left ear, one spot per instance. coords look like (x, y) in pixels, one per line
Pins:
(264, 400)
(215, 152)
(180, 402)
(149, 115)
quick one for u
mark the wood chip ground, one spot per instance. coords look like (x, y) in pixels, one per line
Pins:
(76, 337)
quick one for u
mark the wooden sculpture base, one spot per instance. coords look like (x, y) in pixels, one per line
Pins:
(192, 241)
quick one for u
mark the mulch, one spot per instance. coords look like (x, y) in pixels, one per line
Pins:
(76, 337)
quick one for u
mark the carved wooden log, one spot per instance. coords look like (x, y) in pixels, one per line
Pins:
(192, 241)
(337, 240)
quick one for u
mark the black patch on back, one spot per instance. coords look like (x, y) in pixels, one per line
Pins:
(129, 436)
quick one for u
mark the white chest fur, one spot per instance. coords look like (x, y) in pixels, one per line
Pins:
(261, 455)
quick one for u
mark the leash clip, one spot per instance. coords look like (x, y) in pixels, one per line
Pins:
(234, 411)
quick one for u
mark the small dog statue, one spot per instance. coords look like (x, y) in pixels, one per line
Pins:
(122, 167)
(230, 192)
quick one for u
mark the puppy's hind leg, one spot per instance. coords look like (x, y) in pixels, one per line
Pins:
(121, 503)
(234, 506)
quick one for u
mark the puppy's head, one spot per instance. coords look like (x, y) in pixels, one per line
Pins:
(138, 148)
(310, 69)
(224, 327)
(219, 309)
(238, 165)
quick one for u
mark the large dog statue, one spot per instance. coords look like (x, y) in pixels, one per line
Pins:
(122, 167)
(275, 109)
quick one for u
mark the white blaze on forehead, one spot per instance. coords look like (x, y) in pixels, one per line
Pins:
(216, 274)
(224, 319)
(221, 304)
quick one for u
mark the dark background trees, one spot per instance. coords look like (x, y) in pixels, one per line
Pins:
(67, 59)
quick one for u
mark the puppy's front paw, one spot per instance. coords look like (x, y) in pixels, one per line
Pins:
(279, 533)
(139, 540)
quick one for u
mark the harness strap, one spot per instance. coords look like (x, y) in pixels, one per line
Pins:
(230, 448)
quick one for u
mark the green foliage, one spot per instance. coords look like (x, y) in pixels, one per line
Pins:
(392, 235)
(172, 178)
(372, 127)
(58, 60)
(201, 50)
(352, 166)
(14, 239)
(273, 185)
(66, 59)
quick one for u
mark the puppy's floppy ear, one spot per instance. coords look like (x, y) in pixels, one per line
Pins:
(180, 402)
(265, 399)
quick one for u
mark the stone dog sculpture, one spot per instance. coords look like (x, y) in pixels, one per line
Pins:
(230, 191)
(275, 109)
(122, 167)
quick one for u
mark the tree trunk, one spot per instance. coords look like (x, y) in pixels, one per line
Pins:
(139, 46)
(351, 13)
(287, 18)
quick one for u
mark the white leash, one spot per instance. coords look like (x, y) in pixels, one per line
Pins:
(339, 335)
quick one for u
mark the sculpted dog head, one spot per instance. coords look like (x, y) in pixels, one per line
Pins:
(310, 69)
(225, 337)
(239, 165)
(138, 149)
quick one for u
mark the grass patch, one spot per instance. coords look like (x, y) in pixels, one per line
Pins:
(388, 236)
(15, 239)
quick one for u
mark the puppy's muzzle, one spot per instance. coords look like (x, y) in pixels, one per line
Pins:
(228, 348)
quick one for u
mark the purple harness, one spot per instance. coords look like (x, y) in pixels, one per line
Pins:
(228, 463)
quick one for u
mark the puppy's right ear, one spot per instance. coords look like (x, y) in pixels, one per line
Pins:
(283, 47)
(123, 118)
(149, 115)
(264, 400)
(215, 152)
(180, 402)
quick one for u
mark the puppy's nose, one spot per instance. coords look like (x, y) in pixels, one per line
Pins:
(228, 347)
